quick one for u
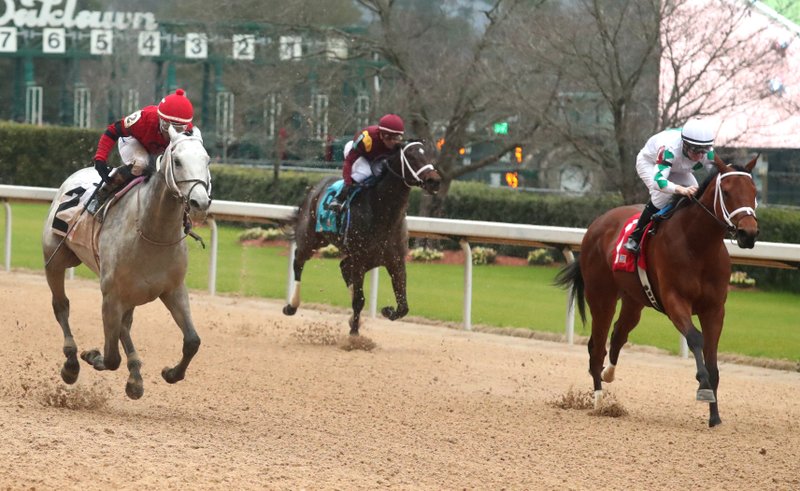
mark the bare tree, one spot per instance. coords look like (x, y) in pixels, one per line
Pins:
(618, 52)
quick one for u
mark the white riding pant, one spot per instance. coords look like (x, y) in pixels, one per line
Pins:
(361, 167)
(660, 198)
(134, 154)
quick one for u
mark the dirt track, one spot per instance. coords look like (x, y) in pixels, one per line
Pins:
(268, 403)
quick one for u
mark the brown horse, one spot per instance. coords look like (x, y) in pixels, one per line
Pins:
(377, 234)
(688, 267)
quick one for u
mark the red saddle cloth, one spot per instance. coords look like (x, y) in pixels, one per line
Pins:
(623, 259)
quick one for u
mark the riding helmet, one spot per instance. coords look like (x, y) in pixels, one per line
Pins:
(176, 108)
(698, 132)
(391, 123)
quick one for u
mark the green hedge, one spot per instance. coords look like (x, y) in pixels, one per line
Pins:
(43, 155)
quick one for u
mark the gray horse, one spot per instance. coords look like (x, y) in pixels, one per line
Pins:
(139, 255)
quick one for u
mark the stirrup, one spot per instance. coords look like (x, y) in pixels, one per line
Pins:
(93, 206)
(632, 245)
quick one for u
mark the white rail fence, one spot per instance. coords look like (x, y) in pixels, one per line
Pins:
(565, 239)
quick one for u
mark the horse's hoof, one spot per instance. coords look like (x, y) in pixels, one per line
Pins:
(134, 390)
(608, 374)
(714, 421)
(289, 310)
(93, 358)
(354, 332)
(171, 375)
(598, 399)
(706, 395)
(70, 374)
(388, 312)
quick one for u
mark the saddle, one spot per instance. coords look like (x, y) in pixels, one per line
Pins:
(627, 262)
(330, 221)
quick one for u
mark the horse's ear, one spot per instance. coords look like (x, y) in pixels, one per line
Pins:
(721, 166)
(196, 132)
(752, 163)
(172, 132)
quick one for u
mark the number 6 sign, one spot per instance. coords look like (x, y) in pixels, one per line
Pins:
(54, 40)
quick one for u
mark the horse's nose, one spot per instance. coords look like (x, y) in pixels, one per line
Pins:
(746, 239)
(432, 184)
(199, 200)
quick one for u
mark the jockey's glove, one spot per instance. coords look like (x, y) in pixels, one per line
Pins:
(103, 169)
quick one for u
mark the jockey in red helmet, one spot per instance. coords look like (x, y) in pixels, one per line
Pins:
(139, 136)
(369, 144)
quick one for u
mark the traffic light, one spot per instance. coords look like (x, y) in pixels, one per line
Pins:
(512, 179)
(518, 154)
(501, 128)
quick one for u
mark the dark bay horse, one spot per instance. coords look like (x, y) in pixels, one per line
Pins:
(688, 267)
(139, 255)
(377, 235)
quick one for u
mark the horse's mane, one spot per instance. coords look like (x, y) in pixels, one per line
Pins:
(679, 201)
(714, 175)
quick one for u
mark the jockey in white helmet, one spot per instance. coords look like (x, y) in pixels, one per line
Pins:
(665, 165)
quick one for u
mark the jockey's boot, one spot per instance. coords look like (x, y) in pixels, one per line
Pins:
(337, 203)
(632, 245)
(116, 180)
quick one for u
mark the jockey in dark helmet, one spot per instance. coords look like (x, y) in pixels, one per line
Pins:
(665, 164)
(370, 143)
(138, 136)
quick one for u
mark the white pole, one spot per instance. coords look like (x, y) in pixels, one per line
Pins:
(684, 347)
(290, 283)
(373, 292)
(8, 235)
(212, 259)
(570, 323)
(467, 284)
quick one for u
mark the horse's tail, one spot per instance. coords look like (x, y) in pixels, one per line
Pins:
(570, 275)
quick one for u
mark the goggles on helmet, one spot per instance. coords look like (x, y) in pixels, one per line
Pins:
(695, 149)
(179, 127)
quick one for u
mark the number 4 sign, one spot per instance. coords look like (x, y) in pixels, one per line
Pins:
(149, 43)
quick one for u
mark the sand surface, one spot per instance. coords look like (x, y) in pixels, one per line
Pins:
(270, 403)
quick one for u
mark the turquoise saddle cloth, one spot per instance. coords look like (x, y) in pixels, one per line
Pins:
(328, 221)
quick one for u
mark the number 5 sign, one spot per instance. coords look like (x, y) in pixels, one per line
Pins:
(102, 40)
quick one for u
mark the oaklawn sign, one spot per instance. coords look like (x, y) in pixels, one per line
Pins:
(50, 13)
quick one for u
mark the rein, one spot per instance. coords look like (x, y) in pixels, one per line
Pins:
(405, 164)
(726, 221)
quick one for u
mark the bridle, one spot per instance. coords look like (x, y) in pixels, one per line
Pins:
(172, 186)
(405, 164)
(727, 216)
(169, 172)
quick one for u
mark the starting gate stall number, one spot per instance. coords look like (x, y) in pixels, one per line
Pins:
(244, 47)
(102, 42)
(8, 39)
(196, 45)
(54, 40)
(149, 43)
